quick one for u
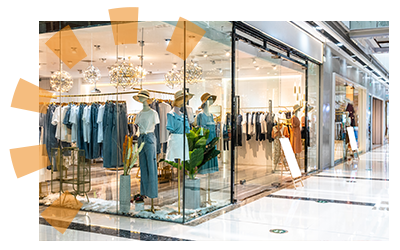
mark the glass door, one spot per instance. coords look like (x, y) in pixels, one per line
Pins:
(258, 88)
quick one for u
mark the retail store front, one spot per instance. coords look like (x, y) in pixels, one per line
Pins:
(350, 101)
(207, 134)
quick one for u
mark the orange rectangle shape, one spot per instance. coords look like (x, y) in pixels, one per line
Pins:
(124, 14)
(27, 160)
(67, 47)
(30, 97)
(124, 33)
(192, 35)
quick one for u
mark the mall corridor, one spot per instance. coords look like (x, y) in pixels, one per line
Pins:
(344, 203)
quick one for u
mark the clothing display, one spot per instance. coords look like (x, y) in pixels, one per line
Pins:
(113, 136)
(295, 135)
(175, 139)
(258, 124)
(163, 109)
(278, 131)
(207, 121)
(351, 111)
(147, 121)
(148, 166)
(305, 133)
(227, 131)
(239, 128)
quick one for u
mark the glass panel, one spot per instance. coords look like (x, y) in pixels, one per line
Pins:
(207, 183)
(313, 112)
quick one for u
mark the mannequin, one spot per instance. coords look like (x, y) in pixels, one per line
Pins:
(206, 120)
(147, 120)
(175, 127)
(279, 131)
(295, 137)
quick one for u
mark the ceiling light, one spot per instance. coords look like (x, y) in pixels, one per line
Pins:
(97, 46)
(339, 44)
(274, 67)
(318, 28)
(228, 53)
(254, 61)
(39, 65)
(151, 63)
(257, 68)
(205, 55)
(349, 66)
(174, 65)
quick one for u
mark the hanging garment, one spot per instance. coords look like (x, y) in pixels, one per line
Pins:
(49, 131)
(258, 126)
(239, 130)
(270, 125)
(176, 149)
(248, 126)
(94, 150)
(73, 119)
(350, 109)
(114, 133)
(148, 166)
(100, 116)
(295, 137)
(79, 124)
(305, 134)
(207, 121)
(154, 106)
(163, 108)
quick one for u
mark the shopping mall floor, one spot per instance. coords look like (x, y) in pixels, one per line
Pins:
(349, 202)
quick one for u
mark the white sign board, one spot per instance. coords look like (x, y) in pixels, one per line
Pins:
(290, 158)
(353, 142)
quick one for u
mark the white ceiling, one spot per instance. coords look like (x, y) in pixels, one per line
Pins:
(155, 53)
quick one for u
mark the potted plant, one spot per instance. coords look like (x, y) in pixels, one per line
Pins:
(139, 201)
(129, 155)
(200, 153)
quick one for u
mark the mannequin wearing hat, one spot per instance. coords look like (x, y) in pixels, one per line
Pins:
(206, 120)
(177, 130)
(146, 121)
(295, 137)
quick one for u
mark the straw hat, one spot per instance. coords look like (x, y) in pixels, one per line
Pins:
(205, 97)
(142, 93)
(296, 108)
(178, 102)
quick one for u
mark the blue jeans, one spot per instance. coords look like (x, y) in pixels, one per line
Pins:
(148, 166)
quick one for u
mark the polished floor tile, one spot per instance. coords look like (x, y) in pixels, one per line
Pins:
(349, 202)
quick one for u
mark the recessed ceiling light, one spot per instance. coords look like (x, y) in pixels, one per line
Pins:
(318, 28)
(254, 61)
(151, 63)
(339, 44)
(228, 53)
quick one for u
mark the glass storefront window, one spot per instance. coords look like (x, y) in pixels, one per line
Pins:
(158, 180)
(268, 89)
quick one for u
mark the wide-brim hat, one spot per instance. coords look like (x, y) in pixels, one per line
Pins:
(205, 97)
(178, 101)
(296, 107)
(142, 93)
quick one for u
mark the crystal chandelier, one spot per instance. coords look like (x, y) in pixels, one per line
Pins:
(173, 79)
(92, 74)
(193, 73)
(139, 75)
(61, 81)
(126, 75)
(122, 75)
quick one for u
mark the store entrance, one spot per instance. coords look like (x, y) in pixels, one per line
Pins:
(377, 120)
(267, 90)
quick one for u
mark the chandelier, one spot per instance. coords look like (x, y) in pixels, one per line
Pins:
(126, 75)
(172, 79)
(92, 74)
(194, 74)
(61, 81)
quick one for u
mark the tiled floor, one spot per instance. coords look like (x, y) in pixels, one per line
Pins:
(354, 207)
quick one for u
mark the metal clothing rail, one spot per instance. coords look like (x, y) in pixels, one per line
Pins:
(107, 94)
